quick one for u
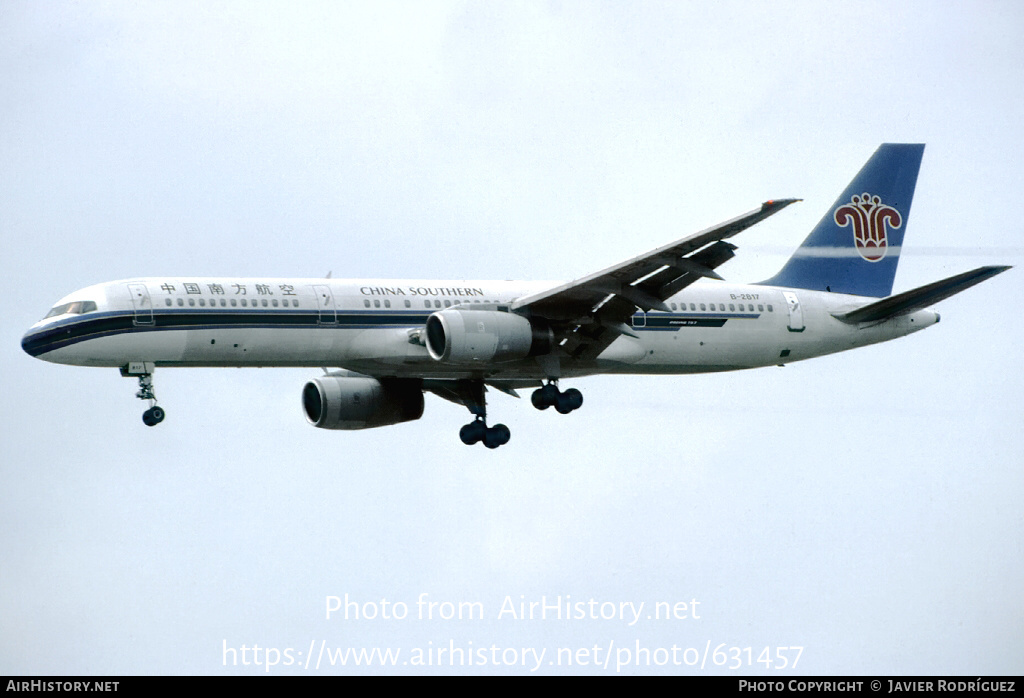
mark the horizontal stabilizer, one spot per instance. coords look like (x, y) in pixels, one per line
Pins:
(918, 298)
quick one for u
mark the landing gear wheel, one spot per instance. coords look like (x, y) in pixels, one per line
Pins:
(574, 398)
(153, 416)
(498, 435)
(545, 396)
(473, 433)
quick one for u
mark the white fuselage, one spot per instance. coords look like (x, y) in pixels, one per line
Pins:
(374, 326)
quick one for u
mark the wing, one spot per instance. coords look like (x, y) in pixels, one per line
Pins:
(590, 313)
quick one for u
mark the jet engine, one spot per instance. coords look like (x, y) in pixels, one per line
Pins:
(463, 336)
(344, 401)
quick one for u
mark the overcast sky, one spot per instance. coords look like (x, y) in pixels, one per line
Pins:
(863, 506)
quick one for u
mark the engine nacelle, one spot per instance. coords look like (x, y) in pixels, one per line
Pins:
(462, 336)
(360, 402)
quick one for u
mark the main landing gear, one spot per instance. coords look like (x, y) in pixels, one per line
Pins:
(471, 394)
(550, 396)
(477, 431)
(144, 371)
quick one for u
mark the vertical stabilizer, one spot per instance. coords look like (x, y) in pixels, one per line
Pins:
(856, 246)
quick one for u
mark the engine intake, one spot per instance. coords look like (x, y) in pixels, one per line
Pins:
(360, 402)
(461, 336)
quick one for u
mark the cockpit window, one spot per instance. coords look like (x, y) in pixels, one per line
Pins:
(75, 308)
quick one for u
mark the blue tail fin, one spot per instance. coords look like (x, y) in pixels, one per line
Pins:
(856, 246)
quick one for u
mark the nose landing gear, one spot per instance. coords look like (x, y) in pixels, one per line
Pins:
(144, 371)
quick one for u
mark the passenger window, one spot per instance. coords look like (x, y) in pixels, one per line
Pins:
(167, 301)
(408, 304)
(760, 308)
(366, 303)
(245, 303)
(732, 308)
(376, 304)
(264, 302)
(770, 308)
(702, 307)
(181, 302)
(387, 304)
(274, 302)
(447, 304)
(192, 302)
(426, 304)
(233, 302)
(202, 302)
(437, 304)
(295, 302)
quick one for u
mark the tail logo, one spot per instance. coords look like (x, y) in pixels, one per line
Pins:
(868, 216)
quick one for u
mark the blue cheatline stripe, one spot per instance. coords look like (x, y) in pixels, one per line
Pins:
(68, 332)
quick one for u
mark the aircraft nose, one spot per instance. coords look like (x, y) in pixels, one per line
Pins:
(34, 342)
(27, 343)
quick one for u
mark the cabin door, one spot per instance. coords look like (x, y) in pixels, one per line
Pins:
(325, 304)
(141, 303)
(796, 312)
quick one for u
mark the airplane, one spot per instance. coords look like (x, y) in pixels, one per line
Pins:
(664, 312)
